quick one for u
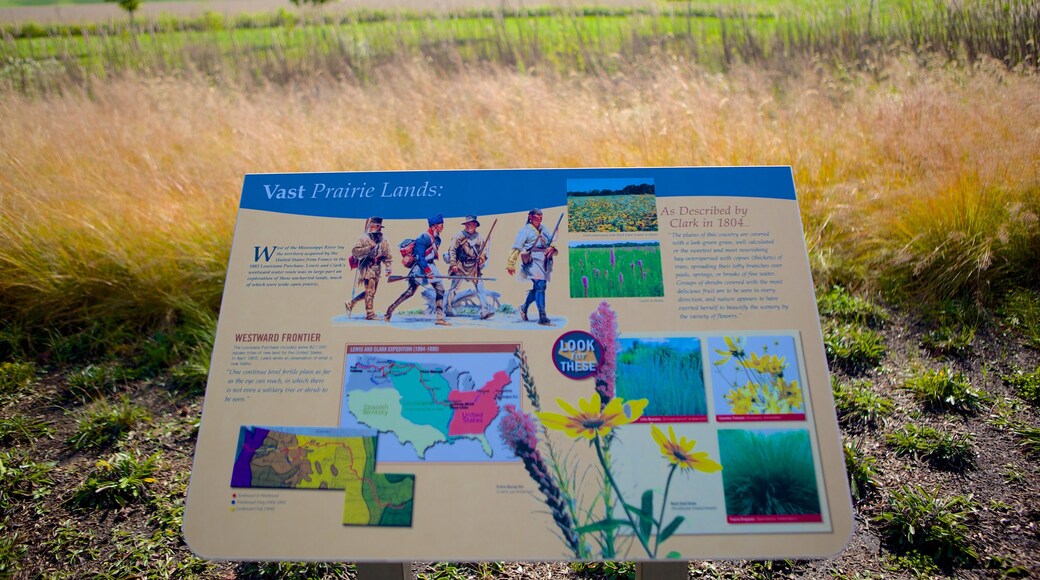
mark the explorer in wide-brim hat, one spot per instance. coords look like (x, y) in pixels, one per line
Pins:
(471, 219)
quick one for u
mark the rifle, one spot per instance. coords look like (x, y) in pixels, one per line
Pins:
(399, 278)
(553, 236)
(355, 265)
(483, 247)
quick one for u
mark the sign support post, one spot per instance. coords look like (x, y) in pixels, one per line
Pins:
(385, 571)
(662, 570)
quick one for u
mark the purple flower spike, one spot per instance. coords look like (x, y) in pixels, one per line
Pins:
(632, 265)
(621, 278)
(612, 261)
(604, 328)
(585, 285)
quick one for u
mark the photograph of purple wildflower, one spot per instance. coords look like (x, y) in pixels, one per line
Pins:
(667, 371)
(616, 269)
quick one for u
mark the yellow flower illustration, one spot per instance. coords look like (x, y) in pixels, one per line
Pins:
(743, 400)
(790, 392)
(592, 420)
(735, 350)
(769, 364)
(680, 452)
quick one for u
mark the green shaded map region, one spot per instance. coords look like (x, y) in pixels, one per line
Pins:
(328, 459)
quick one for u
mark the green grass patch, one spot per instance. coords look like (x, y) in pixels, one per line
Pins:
(306, 570)
(118, 481)
(103, 423)
(858, 406)
(669, 374)
(942, 450)
(22, 478)
(840, 305)
(73, 545)
(861, 469)
(605, 570)
(945, 390)
(1026, 385)
(915, 520)
(12, 550)
(16, 376)
(95, 382)
(853, 348)
(23, 429)
(1021, 311)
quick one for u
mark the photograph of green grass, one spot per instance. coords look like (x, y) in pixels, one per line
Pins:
(768, 476)
(611, 205)
(668, 372)
(618, 269)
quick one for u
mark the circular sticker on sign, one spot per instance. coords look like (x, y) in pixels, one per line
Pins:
(577, 354)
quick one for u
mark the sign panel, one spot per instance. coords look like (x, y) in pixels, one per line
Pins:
(519, 365)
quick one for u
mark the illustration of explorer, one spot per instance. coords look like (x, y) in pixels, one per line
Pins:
(369, 254)
(467, 254)
(424, 270)
(533, 247)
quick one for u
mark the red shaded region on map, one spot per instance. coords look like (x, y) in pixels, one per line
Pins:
(475, 410)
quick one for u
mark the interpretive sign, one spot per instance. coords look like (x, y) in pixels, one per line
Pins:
(519, 365)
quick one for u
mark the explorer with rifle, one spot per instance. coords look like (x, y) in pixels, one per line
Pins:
(467, 254)
(422, 260)
(533, 247)
(368, 256)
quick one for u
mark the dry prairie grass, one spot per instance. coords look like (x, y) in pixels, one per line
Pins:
(112, 198)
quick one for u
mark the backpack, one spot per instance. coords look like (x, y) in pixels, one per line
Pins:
(407, 257)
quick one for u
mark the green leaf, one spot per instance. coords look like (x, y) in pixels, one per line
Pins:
(646, 518)
(668, 531)
(673, 555)
(606, 525)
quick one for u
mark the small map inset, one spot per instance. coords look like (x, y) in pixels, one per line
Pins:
(432, 403)
(325, 458)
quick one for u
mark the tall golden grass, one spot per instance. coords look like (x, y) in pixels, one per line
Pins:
(117, 204)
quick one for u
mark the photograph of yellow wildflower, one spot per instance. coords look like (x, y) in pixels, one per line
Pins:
(756, 378)
(611, 205)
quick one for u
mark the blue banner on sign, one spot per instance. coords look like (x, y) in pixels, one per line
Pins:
(416, 194)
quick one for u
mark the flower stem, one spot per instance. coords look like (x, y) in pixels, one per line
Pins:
(664, 502)
(617, 490)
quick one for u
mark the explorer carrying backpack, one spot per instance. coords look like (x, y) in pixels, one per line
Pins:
(407, 256)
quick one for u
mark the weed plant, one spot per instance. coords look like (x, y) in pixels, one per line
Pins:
(943, 450)
(862, 471)
(16, 376)
(1026, 385)
(118, 481)
(103, 423)
(23, 429)
(22, 478)
(852, 347)
(605, 570)
(917, 520)
(308, 570)
(840, 305)
(1021, 311)
(768, 473)
(95, 382)
(944, 390)
(1029, 438)
(858, 406)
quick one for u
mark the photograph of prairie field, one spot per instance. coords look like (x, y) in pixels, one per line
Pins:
(910, 127)
(668, 372)
(768, 473)
(618, 269)
(611, 205)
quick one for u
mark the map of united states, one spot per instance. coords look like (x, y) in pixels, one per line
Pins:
(432, 403)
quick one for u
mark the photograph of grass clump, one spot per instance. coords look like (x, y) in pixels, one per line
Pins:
(611, 205)
(668, 372)
(617, 269)
(768, 477)
(909, 126)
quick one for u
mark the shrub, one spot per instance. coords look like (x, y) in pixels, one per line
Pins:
(945, 390)
(853, 347)
(858, 406)
(116, 482)
(943, 450)
(916, 520)
(103, 424)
